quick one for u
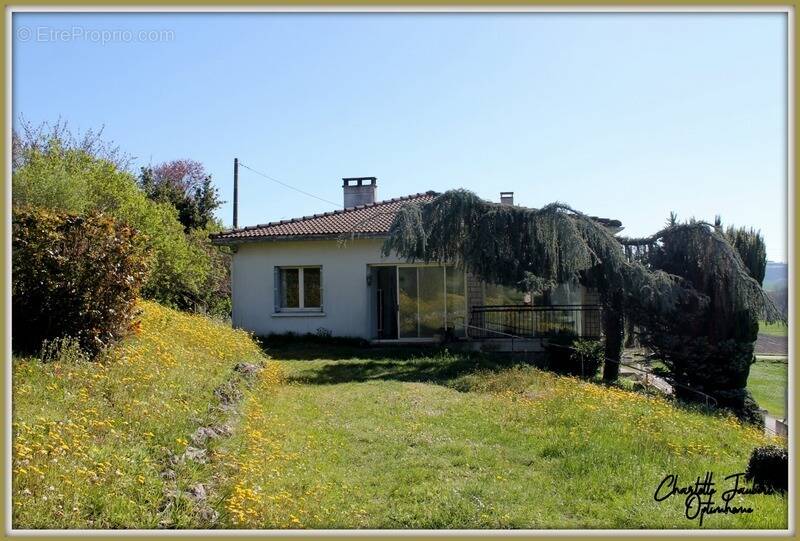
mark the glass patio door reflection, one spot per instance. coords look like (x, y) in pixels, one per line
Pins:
(421, 301)
(408, 320)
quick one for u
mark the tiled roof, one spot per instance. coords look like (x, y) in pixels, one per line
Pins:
(369, 220)
(372, 219)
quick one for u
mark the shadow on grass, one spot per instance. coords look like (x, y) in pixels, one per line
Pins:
(359, 364)
(335, 352)
(330, 364)
(429, 371)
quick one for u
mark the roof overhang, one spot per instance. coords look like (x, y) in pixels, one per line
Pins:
(229, 241)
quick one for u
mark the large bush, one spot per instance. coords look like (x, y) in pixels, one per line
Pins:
(768, 468)
(53, 169)
(73, 276)
(214, 297)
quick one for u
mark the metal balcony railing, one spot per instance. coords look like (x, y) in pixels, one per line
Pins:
(525, 321)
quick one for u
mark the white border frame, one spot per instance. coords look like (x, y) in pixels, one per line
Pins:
(791, 214)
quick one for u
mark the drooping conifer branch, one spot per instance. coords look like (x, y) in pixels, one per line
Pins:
(537, 248)
(526, 248)
(705, 256)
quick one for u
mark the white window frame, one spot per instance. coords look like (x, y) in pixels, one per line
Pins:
(301, 289)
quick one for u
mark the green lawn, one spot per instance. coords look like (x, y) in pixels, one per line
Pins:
(333, 437)
(383, 439)
(767, 383)
(773, 329)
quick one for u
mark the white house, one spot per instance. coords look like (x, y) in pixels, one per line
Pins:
(326, 273)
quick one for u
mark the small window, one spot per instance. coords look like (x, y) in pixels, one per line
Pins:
(298, 288)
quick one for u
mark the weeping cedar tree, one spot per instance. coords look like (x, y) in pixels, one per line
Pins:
(686, 288)
(709, 350)
(751, 248)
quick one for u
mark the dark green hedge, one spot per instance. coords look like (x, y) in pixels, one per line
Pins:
(76, 276)
(769, 468)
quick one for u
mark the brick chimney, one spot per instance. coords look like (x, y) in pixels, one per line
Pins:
(507, 198)
(359, 191)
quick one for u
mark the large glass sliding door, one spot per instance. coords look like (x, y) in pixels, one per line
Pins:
(384, 304)
(407, 299)
(429, 300)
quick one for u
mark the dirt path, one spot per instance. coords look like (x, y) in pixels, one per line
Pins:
(772, 345)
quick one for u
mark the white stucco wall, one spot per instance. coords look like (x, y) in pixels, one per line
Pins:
(345, 296)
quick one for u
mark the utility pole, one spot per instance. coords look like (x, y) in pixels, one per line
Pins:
(235, 193)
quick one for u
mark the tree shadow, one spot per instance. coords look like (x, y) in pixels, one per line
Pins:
(335, 352)
(345, 364)
(429, 371)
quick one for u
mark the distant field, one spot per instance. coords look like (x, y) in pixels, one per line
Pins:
(773, 329)
(767, 382)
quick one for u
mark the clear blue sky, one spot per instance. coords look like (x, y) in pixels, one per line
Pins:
(627, 116)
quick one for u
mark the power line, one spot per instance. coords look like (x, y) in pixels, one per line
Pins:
(286, 185)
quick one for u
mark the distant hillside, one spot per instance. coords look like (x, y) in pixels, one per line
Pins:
(777, 276)
(776, 283)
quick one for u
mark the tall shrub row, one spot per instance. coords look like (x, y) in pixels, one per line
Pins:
(55, 170)
(73, 276)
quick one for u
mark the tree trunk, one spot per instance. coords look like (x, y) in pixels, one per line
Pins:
(614, 331)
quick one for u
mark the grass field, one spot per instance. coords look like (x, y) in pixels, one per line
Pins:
(375, 439)
(773, 329)
(91, 439)
(334, 437)
(767, 383)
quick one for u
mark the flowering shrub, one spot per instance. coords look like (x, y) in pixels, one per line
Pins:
(73, 276)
